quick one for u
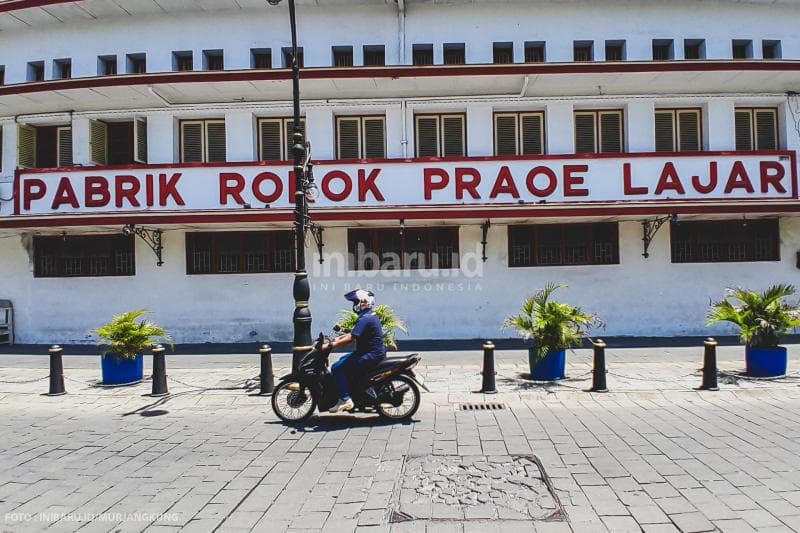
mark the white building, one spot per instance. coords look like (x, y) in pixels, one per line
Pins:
(558, 133)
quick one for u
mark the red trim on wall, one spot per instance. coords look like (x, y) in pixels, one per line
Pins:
(402, 71)
(16, 5)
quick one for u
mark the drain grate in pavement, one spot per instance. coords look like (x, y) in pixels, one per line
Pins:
(482, 406)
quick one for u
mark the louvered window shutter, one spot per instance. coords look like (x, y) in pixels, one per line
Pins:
(505, 131)
(532, 135)
(65, 146)
(98, 141)
(270, 135)
(584, 134)
(374, 138)
(26, 147)
(289, 127)
(349, 141)
(765, 130)
(665, 131)
(140, 140)
(192, 142)
(215, 135)
(610, 133)
(453, 133)
(689, 128)
(744, 129)
(427, 137)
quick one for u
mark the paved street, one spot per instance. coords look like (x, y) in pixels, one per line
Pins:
(651, 455)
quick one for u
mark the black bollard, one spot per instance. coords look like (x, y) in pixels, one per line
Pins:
(599, 370)
(488, 386)
(710, 365)
(267, 378)
(56, 371)
(159, 372)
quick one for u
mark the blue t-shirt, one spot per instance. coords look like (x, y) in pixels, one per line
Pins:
(369, 335)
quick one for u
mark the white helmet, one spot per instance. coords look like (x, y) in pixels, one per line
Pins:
(360, 296)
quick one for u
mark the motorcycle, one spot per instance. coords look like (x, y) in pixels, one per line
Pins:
(392, 389)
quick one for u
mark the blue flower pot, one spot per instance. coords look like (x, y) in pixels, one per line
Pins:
(551, 368)
(766, 362)
(121, 371)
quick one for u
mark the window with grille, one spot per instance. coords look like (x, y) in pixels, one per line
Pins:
(202, 141)
(287, 57)
(240, 252)
(598, 132)
(422, 54)
(106, 65)
(275, 138)
(742, 48)
(503, 53)
(44, 146)
(440, 135)
(663, 49)
(360, 137)
(563, 244)
(756, 129)
(583, 50)
(83, 256)
(535, 52)
(35, 71)
(414, 248)
(615, 50)
(260, 58)
(677, 130)
(694, 49)
(342, 56)
(725, 241)
(62, 69)
(182, 61)
(2, 75)
(374, 55)
(518, 133)
(213, 60)
(454, 53)
(771, 49)
(136, 63)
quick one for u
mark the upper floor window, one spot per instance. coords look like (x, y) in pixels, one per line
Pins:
(374, 55)
(563, 244)
(241, 252)
(725, 241)
(694, 49)
(136, 63)
(44, 146)
(503, 53)
(107, 65)
(598, 132)
(422, 54)
(756, 129)
(2, 75)
(583, 50)
(534, 51)
(663, 49)
(677, 130)
(414, 248)
(615, 50)
(182, 61)
(62, 69)
(742, 48)
(213, 60)
(518, 133)
(287, 57)
(83, 256)
(342, 56)
(360, 137)
(454, 53)
(118, 143)
(202, 141)
(771, 49)
(35, 71)
(260, 58)
(275, 138)
(440, 135)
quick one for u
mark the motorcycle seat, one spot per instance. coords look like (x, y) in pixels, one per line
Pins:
(391, 362)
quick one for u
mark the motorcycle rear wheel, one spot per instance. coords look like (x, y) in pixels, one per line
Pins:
(292, 402)
(409, 405)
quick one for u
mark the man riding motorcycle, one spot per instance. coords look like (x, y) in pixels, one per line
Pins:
(369, 351)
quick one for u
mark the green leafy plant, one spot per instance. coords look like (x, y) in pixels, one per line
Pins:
(551, 325)
(390, 323)
(763, 317)
(125, 337)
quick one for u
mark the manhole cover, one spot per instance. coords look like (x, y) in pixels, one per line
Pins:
(482, 406)
(450, 487)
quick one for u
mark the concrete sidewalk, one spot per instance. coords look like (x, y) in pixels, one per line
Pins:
(651, 455)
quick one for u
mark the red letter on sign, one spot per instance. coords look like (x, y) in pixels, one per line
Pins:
(571, 181)
(32, 190)
(126, 193)
(346, 189)
(277, 184)
(431, 185)
(169, 188)
(669, 180)
(504, 184)
(234, 189)
(712, 180)
(627, 186)
(367, 184)
(768, 178)
(738, 179)
(551, 178)
(95, 191)
(471, 186)
(65, 195)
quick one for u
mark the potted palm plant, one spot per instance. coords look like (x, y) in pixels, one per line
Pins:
(551, 327)
(389, 323)
(124, 340)
(763, 318)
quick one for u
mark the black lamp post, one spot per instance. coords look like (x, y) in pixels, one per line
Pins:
(304, 183)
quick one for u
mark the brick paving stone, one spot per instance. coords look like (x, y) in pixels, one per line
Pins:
(691, 522)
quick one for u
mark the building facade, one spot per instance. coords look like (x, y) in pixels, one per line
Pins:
(466, 154)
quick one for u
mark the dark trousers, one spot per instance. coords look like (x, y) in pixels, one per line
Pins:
(352, 365)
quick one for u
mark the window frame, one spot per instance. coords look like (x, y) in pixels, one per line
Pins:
(81, 242)
(518, 115)
(533, 238)
(204, 141)
(440, 132)
(454, 50)
(268, 235)
(422, 54)
(598, 131)
(676, 140)
(754, 127)
(534, 47)
(730, 227)
(287, 128)
(362, 138)
(430, 232)
(615, 45)
(502, 52)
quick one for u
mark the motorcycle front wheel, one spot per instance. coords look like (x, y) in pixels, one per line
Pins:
(405, 395)
(293, 402)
